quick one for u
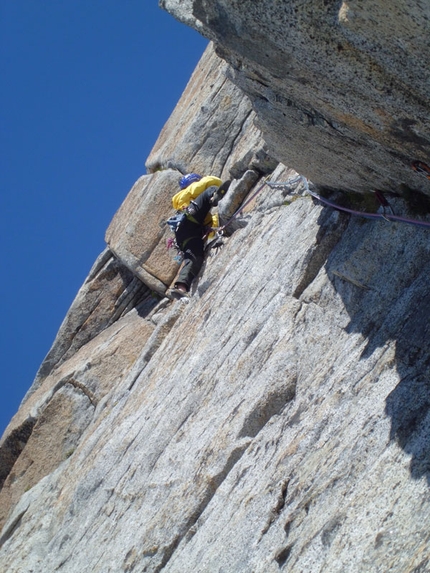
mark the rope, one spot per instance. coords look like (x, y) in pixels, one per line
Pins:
(242, 207)
(386, 216)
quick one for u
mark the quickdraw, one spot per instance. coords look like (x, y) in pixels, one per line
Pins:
(171, 244)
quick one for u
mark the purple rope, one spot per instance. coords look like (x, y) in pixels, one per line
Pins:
(385, 216)
(389, 217)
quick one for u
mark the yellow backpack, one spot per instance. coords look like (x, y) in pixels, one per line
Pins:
(182, 199)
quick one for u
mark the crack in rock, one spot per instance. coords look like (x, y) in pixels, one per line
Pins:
(269, 406)
(189, 529)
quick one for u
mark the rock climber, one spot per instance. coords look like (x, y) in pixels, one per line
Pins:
(197, 196)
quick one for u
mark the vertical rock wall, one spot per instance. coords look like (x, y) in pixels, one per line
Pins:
(278, 420)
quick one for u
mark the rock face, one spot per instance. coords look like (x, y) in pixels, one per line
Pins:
(279, 419)
(341, 88)
(209, 133)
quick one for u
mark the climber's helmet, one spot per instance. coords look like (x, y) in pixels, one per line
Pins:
(188, 179)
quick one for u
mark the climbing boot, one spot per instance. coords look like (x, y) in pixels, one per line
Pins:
(179, 290)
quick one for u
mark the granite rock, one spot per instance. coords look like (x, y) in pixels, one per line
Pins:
(108, 293)
(51, 421)
(279, 418)
(211, 130)
(138, 232)
(340, 89)
(293, 436)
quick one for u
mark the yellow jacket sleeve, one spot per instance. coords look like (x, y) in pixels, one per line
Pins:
(182, 199)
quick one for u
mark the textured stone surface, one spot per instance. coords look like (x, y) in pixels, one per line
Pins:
(277, 420)
(282, 421)
(211, 131)
(53, 439)
(237, 192)
(98, 342)
(109, 292)
(341, 89)
(57, 412)
(138, 232)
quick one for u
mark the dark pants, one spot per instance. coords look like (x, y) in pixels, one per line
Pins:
(189, 237)
(193, 262)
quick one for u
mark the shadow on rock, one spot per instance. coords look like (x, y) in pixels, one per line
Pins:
(381, 272)
(408, 405)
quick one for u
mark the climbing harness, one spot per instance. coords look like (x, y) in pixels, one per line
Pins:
(386, 216)
(174, 222)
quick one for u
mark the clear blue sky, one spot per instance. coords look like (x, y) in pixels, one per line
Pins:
(85, 88)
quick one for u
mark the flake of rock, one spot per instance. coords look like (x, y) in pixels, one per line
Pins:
(138, 232)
